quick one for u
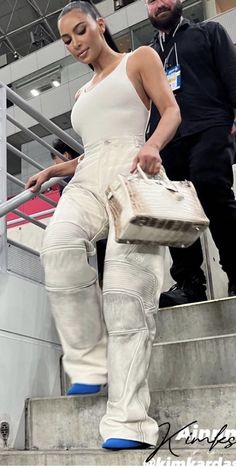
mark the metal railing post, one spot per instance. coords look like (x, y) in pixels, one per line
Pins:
(3, 178)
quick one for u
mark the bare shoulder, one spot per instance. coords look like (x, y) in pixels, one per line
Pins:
(146, 56)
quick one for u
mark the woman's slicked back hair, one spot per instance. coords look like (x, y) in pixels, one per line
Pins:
(87, 6)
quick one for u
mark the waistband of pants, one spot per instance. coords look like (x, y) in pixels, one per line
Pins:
(136, 140)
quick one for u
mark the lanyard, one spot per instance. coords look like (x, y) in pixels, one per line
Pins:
(174, 47)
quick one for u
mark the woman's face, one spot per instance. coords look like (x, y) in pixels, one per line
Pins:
(82, 35)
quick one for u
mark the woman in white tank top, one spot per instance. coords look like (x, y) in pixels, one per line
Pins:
(107, 336)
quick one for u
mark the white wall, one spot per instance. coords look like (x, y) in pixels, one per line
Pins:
(30, 351)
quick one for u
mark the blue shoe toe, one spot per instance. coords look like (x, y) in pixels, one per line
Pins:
(83, 389)
(123, 444)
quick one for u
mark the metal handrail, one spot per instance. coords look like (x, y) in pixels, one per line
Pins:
(29, 218)
(36, 138)
(41, 214)
(23, 156)
(11, 205)
(16, 99)
(23, 247)
(21, 184)
(27, 195)
(26, 158)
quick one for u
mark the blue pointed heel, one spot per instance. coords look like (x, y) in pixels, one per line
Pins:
(124, 444)
(83, 389)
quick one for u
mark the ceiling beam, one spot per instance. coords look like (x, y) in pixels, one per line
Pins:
(45, 21)
(29, 25)
(8, 41)
(11, 16)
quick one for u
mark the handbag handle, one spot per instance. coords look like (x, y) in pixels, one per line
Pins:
(161, 177)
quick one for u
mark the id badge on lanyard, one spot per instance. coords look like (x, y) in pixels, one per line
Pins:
(174, 77)
(173, 73)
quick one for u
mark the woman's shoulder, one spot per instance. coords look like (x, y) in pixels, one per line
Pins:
(144, 56)
(144, 51)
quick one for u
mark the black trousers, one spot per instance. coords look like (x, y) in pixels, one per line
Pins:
(206, 159)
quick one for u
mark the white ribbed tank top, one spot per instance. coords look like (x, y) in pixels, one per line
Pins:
(112, 108)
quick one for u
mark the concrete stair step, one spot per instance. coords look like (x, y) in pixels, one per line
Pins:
(184, 331)
(101, 457)
(191, 363)
(73, 422)
(202, 319)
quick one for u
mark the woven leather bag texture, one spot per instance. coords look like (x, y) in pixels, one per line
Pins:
(155, 210)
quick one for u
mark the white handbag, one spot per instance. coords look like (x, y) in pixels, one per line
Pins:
(155, 210)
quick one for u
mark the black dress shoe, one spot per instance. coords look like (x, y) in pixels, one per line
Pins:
(183, 294)
(231, 289)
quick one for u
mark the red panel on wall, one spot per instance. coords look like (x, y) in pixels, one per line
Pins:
(37, 205)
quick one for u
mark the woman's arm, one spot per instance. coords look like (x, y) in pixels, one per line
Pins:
(156, 87)
(57, 170)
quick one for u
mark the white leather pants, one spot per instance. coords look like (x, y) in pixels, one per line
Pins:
(105, 338)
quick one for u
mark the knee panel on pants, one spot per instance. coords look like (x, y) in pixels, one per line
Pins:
(133, 280)
(64, 257)
(123, 313)
(78, 319)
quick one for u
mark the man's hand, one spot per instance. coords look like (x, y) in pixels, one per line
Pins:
(35, 182)
(149, 160)
(233, 130)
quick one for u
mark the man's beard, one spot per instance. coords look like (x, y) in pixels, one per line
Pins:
(168, 22)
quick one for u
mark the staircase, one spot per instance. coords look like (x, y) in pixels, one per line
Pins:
(192, 380)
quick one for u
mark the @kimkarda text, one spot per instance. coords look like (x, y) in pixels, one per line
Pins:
(192, 435)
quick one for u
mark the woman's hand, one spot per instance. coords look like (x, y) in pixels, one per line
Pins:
(35, 182)
(149, 160)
